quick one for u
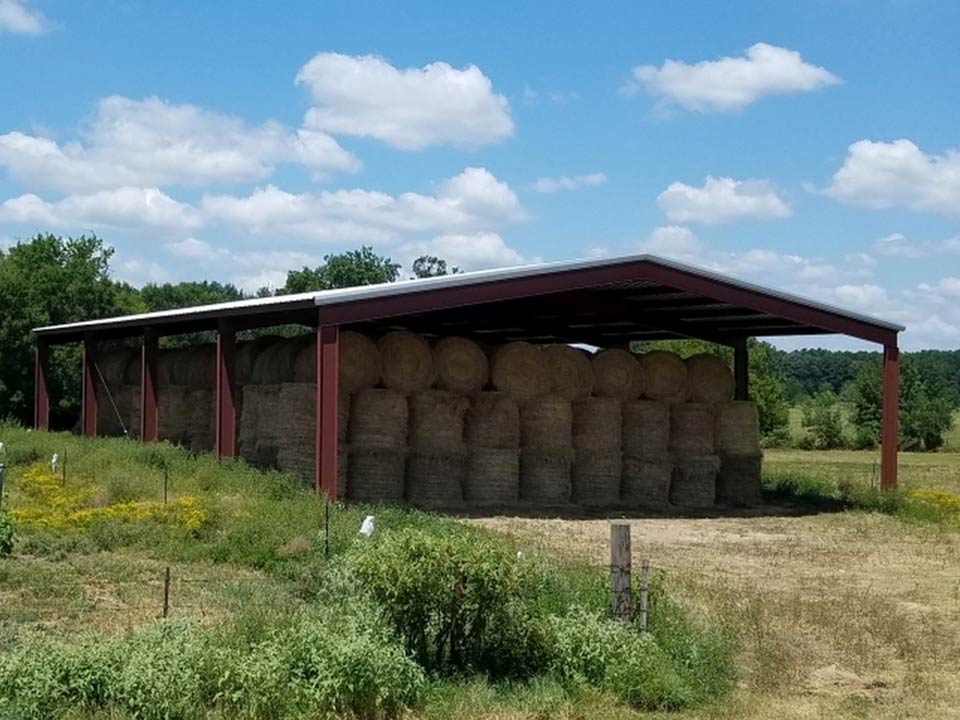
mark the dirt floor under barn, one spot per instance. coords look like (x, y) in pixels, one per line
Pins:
(838, 614)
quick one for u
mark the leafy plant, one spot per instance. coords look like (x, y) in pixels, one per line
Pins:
(6, 535)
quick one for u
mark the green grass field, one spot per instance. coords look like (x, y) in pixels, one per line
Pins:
(951, 440)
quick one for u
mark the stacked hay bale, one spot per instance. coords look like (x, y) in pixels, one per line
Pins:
(647, 463)
(692, 428)
(377, 437)
(738, 445)
(437, 461)
(597, 444)
(492, 433)
(546, 457)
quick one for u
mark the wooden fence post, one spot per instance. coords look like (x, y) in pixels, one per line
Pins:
(620, 561)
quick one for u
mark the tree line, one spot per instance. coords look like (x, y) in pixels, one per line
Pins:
(50, 280)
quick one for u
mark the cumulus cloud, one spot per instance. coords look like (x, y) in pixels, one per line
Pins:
(16, 18)
(898, 174)
(477, 251)
(153, 143)
(196, 250)
(548, 185)
(730, 83)
(722, 200)
(410, 108)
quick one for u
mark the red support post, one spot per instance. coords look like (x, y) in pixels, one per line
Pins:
(741, 369)
(149, 414)
(89, 402)
(41, 386)
(226, 441)
(328, 350)
(890, 430)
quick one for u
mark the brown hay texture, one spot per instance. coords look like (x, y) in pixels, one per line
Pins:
(167, 359)
(709, 379)
(518, 369)
(596, 478)
(492, 476)
(617, 374)
(646, 483)
(544, 477)
(254, 444)
(359, 362)
(739, 481)
(304, 351)
(187, 416)
(666, 376)
(247, 354)
(113, 367)
(692, 429)
(407, 361)
(291, 428)
(738, 428)
(275, 364)
(378, 418)
(569, 372)
(546, 425)
(376, 474)
(598, 425)
(695, 481)
(436, 421)
(493, 421)
(127, 400)
(461, 365)
(435, 480)
(646, 429)
(196, 366)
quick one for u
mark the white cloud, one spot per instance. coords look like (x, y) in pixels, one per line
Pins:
(121, 208)
(197, 250)
(477, 251)
(566, 182)
(673, 241)
(897, 245)
(152, 143)
(730, 83)
(722, 200)
(898, 174)
(411, 108)
(950, 287)
(17, 19)
(139, 272)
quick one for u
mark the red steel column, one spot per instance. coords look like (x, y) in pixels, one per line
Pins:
(89, 405)
(328, 350)
(741, 369)
(41, 386)
(149, 415)
(890, 429)
(226, 442)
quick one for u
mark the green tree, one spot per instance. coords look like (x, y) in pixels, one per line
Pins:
(926, 411)
(427, 266)
(170, 296)
(348, 269)
(823, 418)
(49, 280)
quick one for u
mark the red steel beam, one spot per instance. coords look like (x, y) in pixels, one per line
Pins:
(890, 429)
(89, 402)
(328, 350)
(41, 386)
(741, 369)
(149, 413)
(226, 441)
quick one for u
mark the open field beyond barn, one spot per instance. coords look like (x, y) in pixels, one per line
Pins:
(830, 613)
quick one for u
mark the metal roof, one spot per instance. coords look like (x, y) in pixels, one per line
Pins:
(633, 297)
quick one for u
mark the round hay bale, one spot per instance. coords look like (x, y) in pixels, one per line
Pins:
(113, 366)
(665, 375)
(692, 429)
(739, 482)
(275, 364)
(378, 418)
(493, 421)
(196, 366)
(695, 481)
(544, 477)
(201, 420)
(304, 351)
(407, 361)
(247, 354)
(249, 432)
(375, 474)
(127, 401)
(709, 379)
(646, 483)
(568, 371)
(738, 428)
(461, 365)
(492, 476)
(167, 359)
(618, 375)
(343, 416)
(435, 480)
(174, 421)
(359, 362)
(646, 429)
(436, 421)
(546, 424)
(598, 424)
(132, 369)
(518, 369)
(596, 478)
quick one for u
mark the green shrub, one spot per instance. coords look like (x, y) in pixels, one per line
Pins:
(6, 535)
(456, 599)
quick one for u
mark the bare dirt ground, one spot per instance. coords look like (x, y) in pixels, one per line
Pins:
(837, 615)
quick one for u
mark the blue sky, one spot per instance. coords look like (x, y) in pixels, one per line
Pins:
(810, 146)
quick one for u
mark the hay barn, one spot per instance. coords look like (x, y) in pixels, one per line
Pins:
(472, 389)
